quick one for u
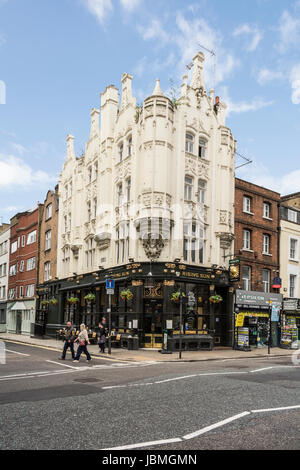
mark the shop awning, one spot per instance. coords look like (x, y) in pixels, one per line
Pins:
(19, 306)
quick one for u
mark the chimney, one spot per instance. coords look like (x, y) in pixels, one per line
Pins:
(95, 113)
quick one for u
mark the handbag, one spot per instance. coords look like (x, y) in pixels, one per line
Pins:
(82, 343)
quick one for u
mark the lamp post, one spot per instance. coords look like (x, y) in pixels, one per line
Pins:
(180, 321)
(269, 327)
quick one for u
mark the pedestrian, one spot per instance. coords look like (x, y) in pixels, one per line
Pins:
(83, 340)
(102, 335)
(69, 341)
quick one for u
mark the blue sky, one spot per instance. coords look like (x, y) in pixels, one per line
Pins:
(57, 56)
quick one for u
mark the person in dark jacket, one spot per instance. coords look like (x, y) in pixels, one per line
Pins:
(69, 341)
(102, 335)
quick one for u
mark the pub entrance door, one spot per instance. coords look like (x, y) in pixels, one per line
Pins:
(153, 313)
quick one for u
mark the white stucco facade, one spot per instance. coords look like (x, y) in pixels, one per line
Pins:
(290, 258)
(150, 178)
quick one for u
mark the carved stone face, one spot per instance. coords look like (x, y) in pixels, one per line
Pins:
(153, 246)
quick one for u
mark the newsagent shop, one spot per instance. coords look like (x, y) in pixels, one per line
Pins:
(148, 298)
(290, 324)
(253, 311)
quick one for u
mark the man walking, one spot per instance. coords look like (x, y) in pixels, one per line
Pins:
(69, 341)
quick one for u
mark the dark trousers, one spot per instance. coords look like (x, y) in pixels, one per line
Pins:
(102, 347)
(80, 350)
(66, 346)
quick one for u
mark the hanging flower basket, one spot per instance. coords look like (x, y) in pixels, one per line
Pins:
(126, 294)
(176, 296)
(53, 301)
(73, 300)
(90, 297)
(215, 299)
(44, 302)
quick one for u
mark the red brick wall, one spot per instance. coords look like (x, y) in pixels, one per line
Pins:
(258, 226)
(23, 224)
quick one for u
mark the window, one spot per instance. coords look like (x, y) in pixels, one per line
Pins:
(89, 174)
(69, 222)
(189, 143)
(3, 270)
(293, 249)
(49, 211)
(119, 194)
(48, 240)
(202, 148)
(246, 240)
(292, 285)
(12, 270)
(30, 264)
(21, 266)
(193, 242)
(122, 243)
(121, 148)
(23, 241)
(129, 146)
(89, 253)
(266, 210)
(21, 291)
(247, 204)
(201, 191)
(30, 290)
(95, 208)
(14, 247)
(47, 271)
(31, 238)
(66, 261)
(11, 293)
(246, 277)
(66, 223)
(89, 211)
(292, 215)
(96, 171)
(66, 191)
(266, 280)
(188, 188)
(128, 188)
(2, 316)
(266, 244)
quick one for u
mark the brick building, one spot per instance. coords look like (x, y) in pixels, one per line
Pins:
(257, 235)
(23, 269)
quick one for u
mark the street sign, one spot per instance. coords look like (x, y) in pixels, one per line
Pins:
(110, 291)
(234, 270)
(110, 284)
(277, 283)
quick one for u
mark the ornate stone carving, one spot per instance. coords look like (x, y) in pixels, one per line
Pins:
(153, 246)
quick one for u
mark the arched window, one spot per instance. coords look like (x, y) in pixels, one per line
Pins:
(121, 148)
(189, 143)
(129, 146)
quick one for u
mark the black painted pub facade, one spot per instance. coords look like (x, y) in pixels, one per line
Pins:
(150, 306)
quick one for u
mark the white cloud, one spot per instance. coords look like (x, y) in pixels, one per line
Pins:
(99, 8)
(15, 172)
(130, 5)
(259, 174)
(252, 31)
(154, 31)
(266, 75)
(295, 84)
(243, 106)
(289, 29)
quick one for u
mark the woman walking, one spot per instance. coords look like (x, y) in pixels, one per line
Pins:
(83, 339)
(102, 335)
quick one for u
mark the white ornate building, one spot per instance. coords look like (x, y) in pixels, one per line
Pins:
(155, 182)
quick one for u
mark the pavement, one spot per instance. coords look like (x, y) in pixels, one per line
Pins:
(47, 404)
(153, 354)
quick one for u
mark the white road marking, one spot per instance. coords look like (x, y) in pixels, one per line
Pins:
(214, 426)
(64, 365)
(276, 409)
(146, 444)
(259, 370)
(15, 352)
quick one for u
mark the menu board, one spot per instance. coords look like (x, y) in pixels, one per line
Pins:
(243, 337)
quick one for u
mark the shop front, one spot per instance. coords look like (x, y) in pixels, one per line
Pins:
(20, 317)
(255, 313)
(144, 305)
(290, 324)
